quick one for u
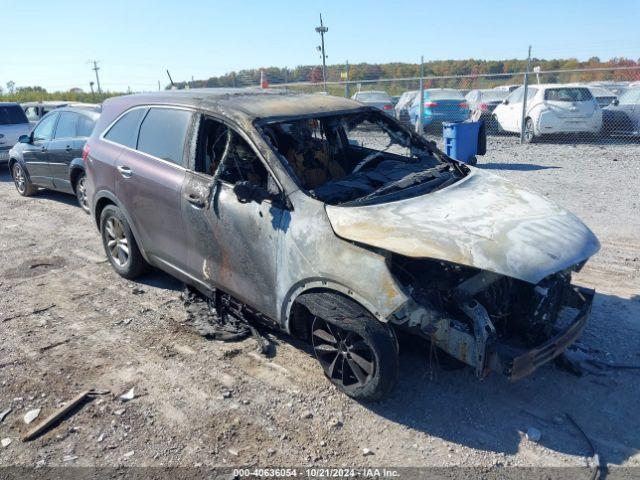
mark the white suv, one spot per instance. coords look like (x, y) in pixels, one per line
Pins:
(13, 124)
(550, 109)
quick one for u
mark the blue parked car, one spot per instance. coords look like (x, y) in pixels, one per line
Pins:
(440, 105)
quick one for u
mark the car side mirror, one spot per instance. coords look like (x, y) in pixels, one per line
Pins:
(505, 101)
(24, 139)
(248, 192)
(615, 102)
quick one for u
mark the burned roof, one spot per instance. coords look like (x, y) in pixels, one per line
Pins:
(251, 103)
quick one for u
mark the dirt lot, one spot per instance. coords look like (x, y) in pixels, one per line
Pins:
(201, 402)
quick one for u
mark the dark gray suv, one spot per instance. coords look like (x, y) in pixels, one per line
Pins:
(333, 222)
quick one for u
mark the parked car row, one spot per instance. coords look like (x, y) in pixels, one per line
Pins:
(236, 194)
(50, 154)
(591, 109)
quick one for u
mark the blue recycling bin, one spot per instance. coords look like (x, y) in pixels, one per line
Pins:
(464, 140)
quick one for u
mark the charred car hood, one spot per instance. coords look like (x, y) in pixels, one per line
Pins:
(482, 221)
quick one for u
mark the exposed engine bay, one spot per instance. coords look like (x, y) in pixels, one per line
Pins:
(488, 320)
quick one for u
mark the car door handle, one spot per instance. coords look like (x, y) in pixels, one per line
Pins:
(125, 171)
(43, 149)
(68, 149)
(195, 200)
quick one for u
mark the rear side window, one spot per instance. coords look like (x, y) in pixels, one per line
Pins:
(125, 130)
(66, 127)
(85, 126)
(12, 114)
(163, 133)
(568, 94)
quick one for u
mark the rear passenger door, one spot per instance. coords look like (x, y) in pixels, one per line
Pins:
(64, 147)
(36, 155)
(151, 170)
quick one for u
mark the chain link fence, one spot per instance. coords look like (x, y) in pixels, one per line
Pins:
(587, 105)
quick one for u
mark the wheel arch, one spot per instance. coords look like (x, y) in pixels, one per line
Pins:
(104, 198)
(75, 169)
(289, 321)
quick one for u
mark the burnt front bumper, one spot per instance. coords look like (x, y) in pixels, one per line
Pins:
(519, 365)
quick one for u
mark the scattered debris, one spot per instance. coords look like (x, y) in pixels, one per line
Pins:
(43, 309)
(54, 345)
(222, 318)
(54, 417)
(233, 452)
(130, 395)
(226, 394)
(137, 290)
(307, 414)
(366, 452)
(31, 415)
(119, 412)
(129, 454)
(533, 434)
(69, 458)
(101, 437)
(4, 414)
(6, 442)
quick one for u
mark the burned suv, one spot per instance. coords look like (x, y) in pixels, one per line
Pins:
(331, 221)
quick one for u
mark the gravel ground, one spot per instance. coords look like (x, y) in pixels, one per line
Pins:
(200, 402)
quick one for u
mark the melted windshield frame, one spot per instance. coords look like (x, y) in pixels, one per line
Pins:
(421, 150)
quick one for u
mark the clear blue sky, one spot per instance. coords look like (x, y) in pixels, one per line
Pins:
(49, 43)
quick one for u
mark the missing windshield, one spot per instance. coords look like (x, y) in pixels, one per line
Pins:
(358, 157)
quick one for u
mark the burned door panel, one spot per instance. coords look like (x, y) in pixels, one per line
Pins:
(232, 245)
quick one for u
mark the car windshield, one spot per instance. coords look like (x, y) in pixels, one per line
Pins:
(568, 94)
(363, 157)
(493, 95)
(12, 114)
(444, 94)
(373, 97)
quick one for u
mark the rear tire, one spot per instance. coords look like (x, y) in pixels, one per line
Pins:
(529, 132)
(358, 353)
(21, 181)
(120, 245)
(81, 192)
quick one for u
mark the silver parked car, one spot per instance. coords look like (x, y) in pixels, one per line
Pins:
(335, 223)
(13, 124)
(377, 99)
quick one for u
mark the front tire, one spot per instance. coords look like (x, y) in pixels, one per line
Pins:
(81, 192)
(120, 245)
(358, 353)
(21, 181)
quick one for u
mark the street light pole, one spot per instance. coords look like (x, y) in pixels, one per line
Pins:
(322, 30)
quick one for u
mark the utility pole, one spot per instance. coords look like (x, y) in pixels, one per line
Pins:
(95, 69)
(524, 100)
(347, 85)
(420, 122)
(322, 30)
